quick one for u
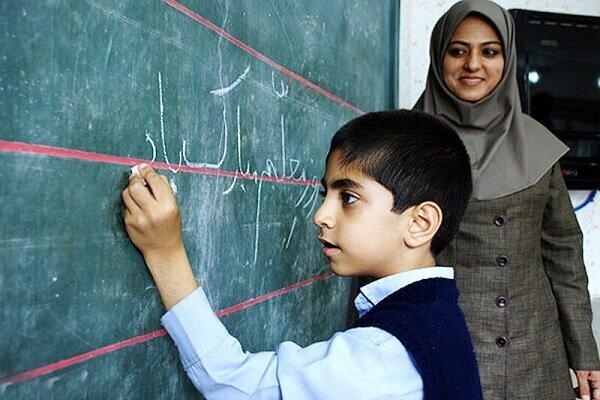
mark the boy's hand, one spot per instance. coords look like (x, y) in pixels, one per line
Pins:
(152, 217)
(153, 223)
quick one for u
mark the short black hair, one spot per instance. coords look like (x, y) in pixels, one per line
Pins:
(414, 155)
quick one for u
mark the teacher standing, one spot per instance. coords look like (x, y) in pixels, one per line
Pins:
(518, 255)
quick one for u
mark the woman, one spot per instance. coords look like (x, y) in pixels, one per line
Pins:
(518, 254)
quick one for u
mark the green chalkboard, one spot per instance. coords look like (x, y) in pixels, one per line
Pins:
(235, 102)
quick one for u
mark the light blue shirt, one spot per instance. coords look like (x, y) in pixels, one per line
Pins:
(360, 363)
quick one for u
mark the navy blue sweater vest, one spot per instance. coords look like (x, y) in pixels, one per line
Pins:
(425, 317)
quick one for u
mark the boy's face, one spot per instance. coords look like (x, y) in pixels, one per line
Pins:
(360, 234)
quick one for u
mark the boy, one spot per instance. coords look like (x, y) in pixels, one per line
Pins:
(395, 188)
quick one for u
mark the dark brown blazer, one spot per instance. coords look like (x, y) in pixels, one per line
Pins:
(519, 267)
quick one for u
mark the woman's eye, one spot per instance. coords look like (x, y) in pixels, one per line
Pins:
(348, 198)
(491, 52)
(456, 51)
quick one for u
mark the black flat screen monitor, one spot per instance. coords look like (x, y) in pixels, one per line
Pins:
(558, 71)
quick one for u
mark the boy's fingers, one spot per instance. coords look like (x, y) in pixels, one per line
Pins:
(140, 194)
(167, 195)
(159, 184)
(130, 204)
(151, 177)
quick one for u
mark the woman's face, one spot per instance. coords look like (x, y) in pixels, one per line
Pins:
(473, 61)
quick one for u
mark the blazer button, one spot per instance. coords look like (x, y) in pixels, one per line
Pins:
(502, 261)
(501, 301)
(501, 341)
(499, 221)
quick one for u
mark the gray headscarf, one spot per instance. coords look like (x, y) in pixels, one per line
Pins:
(509, 150)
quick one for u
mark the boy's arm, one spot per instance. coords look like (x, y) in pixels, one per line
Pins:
(153, 223)
(215, 360)
(207, 350)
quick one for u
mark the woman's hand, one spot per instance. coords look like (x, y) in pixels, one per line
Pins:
(589, 384)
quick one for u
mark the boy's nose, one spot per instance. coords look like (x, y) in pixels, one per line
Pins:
(322, 217)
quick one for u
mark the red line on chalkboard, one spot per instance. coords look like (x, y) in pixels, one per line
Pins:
(46, 369)
(59, 152)
(37, 372)
(260, 299)
(260, 56)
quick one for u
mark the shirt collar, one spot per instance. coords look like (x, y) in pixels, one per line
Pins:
(376, 291)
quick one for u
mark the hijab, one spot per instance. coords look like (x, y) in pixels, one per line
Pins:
(509, 150)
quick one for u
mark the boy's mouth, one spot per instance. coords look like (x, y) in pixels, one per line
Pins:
(329, 249)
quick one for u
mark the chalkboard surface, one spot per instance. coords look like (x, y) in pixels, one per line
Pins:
(235, 101)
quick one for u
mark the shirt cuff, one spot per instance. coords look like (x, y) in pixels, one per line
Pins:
(194, 327)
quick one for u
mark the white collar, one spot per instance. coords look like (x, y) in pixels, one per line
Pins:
(376, 291)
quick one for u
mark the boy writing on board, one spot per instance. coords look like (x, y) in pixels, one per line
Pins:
(395, 187)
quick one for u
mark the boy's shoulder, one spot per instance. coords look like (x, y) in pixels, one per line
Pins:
(370, 335)
(426, 318)
(427, 298)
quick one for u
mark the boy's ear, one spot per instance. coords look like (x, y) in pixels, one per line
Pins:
(426, 219)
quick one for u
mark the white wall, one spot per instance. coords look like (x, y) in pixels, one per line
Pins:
(417, 18)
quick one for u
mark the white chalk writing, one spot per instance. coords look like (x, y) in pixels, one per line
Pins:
(288, 169)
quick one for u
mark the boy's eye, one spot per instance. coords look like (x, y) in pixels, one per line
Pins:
(348, 198)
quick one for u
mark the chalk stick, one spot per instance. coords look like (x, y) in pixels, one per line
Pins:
(136, 170)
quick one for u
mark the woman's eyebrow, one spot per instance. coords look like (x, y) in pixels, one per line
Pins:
(464, 43)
